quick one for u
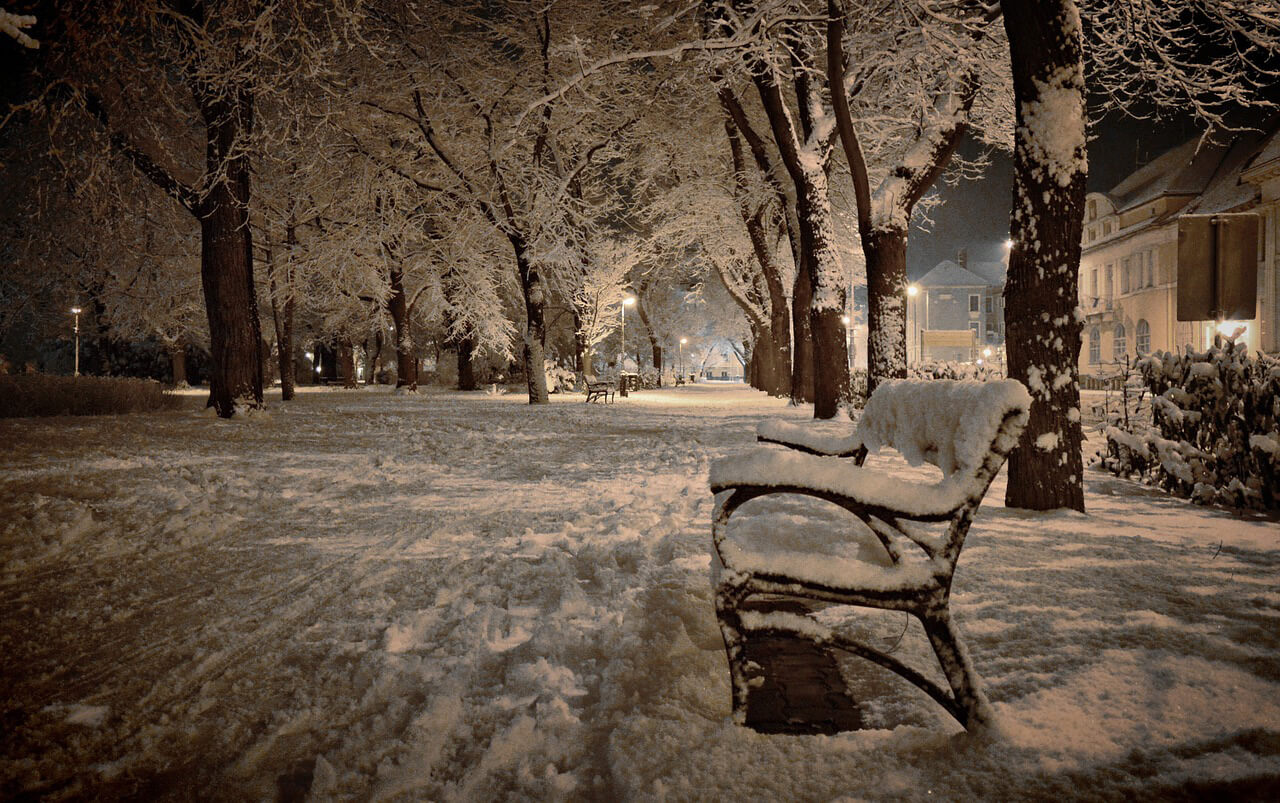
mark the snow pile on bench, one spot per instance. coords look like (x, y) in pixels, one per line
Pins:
(949, 423)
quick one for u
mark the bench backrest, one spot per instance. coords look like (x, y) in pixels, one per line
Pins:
(952, 424)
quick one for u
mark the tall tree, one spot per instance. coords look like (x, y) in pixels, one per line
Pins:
(1041, 318)
(206, 63)
(925, 75)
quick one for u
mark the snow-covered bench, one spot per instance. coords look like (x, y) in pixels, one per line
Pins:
(965, 428)
(600, 391)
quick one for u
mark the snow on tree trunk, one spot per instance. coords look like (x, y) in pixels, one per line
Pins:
(535, 332)
(828, 295)
(226, 258)
(886, 249)
(1041, 317)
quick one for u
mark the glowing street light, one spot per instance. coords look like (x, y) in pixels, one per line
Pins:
(683, 342)
(1008, 244)
(622, 346)
(76, 312)
(913, 290)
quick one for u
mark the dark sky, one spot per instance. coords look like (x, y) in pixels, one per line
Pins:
(975, 214)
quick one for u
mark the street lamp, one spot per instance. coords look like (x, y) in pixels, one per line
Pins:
(913, 290)
(76, 312)
(622, 346)
(683, 341)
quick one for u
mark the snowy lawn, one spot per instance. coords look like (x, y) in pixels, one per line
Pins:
(460, 597)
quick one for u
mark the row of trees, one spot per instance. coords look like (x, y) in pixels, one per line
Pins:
(477, 166)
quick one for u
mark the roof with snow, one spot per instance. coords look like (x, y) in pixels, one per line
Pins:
(950, 274)
(993, 272)
(1226, 190)
(1184, 170)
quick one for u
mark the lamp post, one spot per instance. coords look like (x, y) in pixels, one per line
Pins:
(683, 341)
(848, 356)
(913, 290)
(622, 347)
(76, 312)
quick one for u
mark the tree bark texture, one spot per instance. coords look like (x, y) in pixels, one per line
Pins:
(178, 358)
(466, 370)
(1043, 330)
(535, 332)
(347, 363)
(397, 305)
(802, 364)
(226, 256)
(886, 306)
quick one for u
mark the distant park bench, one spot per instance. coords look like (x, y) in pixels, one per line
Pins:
(600, 391)
(967, 429)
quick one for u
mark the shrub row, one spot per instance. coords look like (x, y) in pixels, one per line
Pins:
(1214, 435)
(47, 394)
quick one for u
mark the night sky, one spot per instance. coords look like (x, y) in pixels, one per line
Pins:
(975, 214)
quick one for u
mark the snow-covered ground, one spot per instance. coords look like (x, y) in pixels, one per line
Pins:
(461, 597)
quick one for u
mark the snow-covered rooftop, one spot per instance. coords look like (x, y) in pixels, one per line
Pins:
(949, 274)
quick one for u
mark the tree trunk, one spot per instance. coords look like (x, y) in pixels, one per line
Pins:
(347, 363)
(178, 357)
(226, 256)
(282, 316)
(466, 371)
(802, 364)
(375, 365)
(581, 350)
(886, 306)
(654, 346)
(397, 305)
(829, 296)
(1049, 169)
(535, 333)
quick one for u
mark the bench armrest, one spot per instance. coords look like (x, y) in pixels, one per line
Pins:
(829, 438)
(772, 471)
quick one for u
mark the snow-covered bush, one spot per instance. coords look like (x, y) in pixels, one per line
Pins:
(649, 377)
(1215, 436)
(559, 378)
(44, 394)
(956, 370)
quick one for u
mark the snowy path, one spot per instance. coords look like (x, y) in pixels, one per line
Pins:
(459, 597)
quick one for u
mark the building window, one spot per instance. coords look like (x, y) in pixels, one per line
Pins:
(991, 334)
(1120, 345)
(1106, 227)
(1095, 346)
(989, 305)
(976, 328)
(1151, 269)
(1106, 288)
(1144, 337)
(1093, 210)
(1124, 275)
(1093, 283)
(973, 303)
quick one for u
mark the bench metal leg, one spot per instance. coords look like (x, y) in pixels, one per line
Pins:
(729, 598)
(954, 659)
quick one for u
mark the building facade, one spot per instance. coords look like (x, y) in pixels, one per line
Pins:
(956, 311)
(1129, 258)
